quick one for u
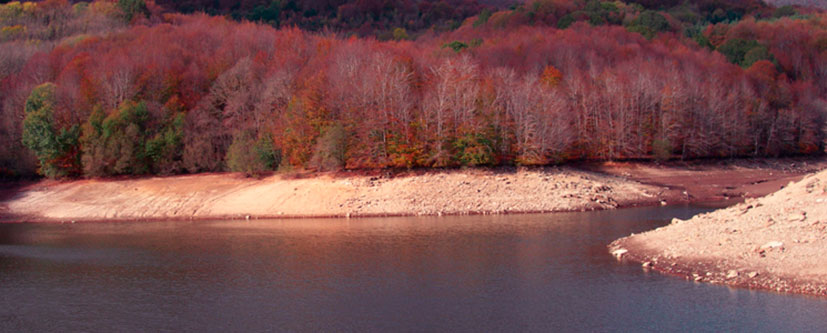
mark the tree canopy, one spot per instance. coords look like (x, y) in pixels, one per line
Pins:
(83, 92)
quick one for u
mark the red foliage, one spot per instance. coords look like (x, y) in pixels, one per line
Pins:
(530, 95)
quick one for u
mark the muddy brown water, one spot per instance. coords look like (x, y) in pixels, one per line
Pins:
(545, 273)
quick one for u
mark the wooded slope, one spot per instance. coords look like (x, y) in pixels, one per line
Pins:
(172, 93)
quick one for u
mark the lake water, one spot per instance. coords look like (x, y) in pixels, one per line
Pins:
(546, 273)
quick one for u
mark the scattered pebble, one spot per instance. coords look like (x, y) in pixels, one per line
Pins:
(797, 217)
(619, 253)
(772, 245)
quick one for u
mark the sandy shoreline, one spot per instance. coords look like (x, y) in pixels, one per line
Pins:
(718, 270)
(232, 196)
(771, 243)
(447, 192)
(775, 243)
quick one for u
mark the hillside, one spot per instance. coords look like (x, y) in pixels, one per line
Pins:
(103, 89)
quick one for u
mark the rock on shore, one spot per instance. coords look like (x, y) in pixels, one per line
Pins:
(778, 242)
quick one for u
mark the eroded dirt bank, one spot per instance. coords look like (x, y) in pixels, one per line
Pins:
(715, 180)
(481, 191)
(234, 196)
(778, 242)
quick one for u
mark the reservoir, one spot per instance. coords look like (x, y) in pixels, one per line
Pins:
(543, 272)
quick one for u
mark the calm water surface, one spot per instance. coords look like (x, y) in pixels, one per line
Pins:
(480, 273)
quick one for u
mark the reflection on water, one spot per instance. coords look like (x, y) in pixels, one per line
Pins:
(520, 272)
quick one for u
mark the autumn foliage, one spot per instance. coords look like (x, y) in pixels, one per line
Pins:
(196, 93)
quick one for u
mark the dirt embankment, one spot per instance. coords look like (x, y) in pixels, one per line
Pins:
(778, 242)
(488, 191)
(233, 196)
(715, 180)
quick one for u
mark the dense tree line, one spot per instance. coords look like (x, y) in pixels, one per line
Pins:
(363, 17)
(175, 93)
(809, 3)
(406, 19)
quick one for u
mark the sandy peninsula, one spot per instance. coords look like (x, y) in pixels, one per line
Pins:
(778, 242)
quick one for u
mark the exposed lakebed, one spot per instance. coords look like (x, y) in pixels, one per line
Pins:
(513, 272)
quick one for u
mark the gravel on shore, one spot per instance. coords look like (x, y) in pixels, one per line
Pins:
(778, 242)
(208, 196)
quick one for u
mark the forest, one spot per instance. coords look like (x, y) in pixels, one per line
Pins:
(134, 87)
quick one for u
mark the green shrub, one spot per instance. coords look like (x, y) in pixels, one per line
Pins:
(744, 52)
(662, 150)
(400, 34)
(485, 14)
(252, 156)
(270, 14)
(648, 24)
(330, 149)
(565, 21)
(267, 154)
(116, 144)
(132, 9)
(784, 11)
(474, 149)
(756, 54)
(165, 149)
(56, 149)
(456, 46)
